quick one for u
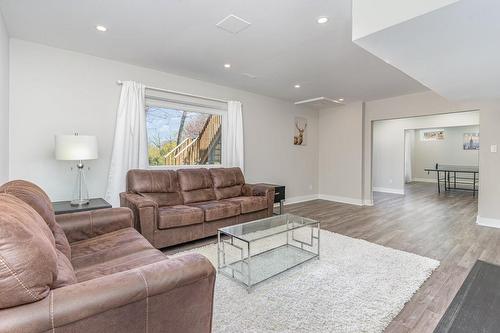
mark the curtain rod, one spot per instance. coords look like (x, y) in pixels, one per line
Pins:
(181, 93)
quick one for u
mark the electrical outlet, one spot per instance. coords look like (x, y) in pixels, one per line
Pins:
(493, 148)
(390, 181)
(310, 187)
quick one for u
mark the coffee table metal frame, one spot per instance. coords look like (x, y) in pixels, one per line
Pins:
(225, 238)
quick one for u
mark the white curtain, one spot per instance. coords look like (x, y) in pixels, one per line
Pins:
(409, 144)
(234, 139)
(130, 147)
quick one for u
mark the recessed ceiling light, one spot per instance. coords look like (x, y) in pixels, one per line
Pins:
(297, 86)
(340, 99)
(227, 65)
(322, 20)
(101, 28)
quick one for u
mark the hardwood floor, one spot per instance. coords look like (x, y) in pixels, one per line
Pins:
(441, 227)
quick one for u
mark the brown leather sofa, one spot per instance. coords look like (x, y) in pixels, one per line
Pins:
(173, 207)
(92, 272)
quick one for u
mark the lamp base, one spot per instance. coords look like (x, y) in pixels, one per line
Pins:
(78, 202)
(81, 194)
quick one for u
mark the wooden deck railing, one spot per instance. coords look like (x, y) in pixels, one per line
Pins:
(196, 151)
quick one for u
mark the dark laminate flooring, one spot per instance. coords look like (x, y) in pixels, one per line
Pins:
(441, 227)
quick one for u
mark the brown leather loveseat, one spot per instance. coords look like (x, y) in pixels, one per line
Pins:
(92, 272)
(173, 207)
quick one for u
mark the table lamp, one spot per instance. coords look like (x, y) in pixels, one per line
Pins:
(77, 148)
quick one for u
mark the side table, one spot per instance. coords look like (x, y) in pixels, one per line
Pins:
(64, 207)
(279, 194)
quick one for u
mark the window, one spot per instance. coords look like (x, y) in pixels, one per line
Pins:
(183, 136)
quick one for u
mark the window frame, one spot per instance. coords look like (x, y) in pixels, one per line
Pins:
(189, 107)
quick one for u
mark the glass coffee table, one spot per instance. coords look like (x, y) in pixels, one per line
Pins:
(255, 251)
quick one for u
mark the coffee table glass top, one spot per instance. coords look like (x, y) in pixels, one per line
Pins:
(266, 227)
(253, 252)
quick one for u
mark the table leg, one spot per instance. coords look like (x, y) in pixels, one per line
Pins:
(249, 285)
(455, 179)
(474, 186)
(439, 182)
(281, 206)
(218, 249)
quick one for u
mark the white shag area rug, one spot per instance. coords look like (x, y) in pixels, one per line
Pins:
(355, 286)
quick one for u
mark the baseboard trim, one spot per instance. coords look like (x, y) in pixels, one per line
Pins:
(299, 199)
(333, 198)
(424, 180)
(388, 190)
(488, 222)
(346, 200)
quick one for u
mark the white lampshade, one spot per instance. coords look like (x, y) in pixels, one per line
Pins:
(76, 147)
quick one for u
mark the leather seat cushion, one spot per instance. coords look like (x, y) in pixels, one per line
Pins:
(111, 253)
(28, 258)
(216, 210)
(227, 182)
(179, 216)
(196, 185)
(250, 204)
(37, 199)
(65, 272)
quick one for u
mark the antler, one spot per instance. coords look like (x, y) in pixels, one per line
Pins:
(297, 126)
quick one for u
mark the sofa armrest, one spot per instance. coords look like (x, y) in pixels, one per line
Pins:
(175, 293)
(85, 225)
(261, 190)
(145, 213)
(257, 189)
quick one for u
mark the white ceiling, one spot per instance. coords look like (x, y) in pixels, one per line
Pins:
(453, 50)
(284, 44)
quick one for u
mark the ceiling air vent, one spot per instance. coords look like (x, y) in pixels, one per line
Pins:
(233, 24)
(320, 102)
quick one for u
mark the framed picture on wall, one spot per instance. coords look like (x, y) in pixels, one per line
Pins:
(432, 135)
(471, 141)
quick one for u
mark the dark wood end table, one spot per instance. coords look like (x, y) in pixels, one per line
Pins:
(279, 194)
(64, 207)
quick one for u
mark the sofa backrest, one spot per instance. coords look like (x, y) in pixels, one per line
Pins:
(37, 199)
(161, 186)
(227, 182)
(28, 257)
(196, 185)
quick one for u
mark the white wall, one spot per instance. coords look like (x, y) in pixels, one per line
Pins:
(389, 148)
(56, 91)
(4, 102)
(413, 105)
(371, 16)
(340, 153)
(448, 151)
(429, 103)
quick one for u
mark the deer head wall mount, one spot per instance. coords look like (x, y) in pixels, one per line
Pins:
(298, 139)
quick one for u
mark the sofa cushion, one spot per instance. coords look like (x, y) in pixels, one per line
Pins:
(227, 182)
(65, 272)
(196, 185)
(162, 186)
(111, 253)
(61, 240)
(164, 199)
(35, 197)
(28, 259)
(250, 204)
(179, 216)
(216, 210)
